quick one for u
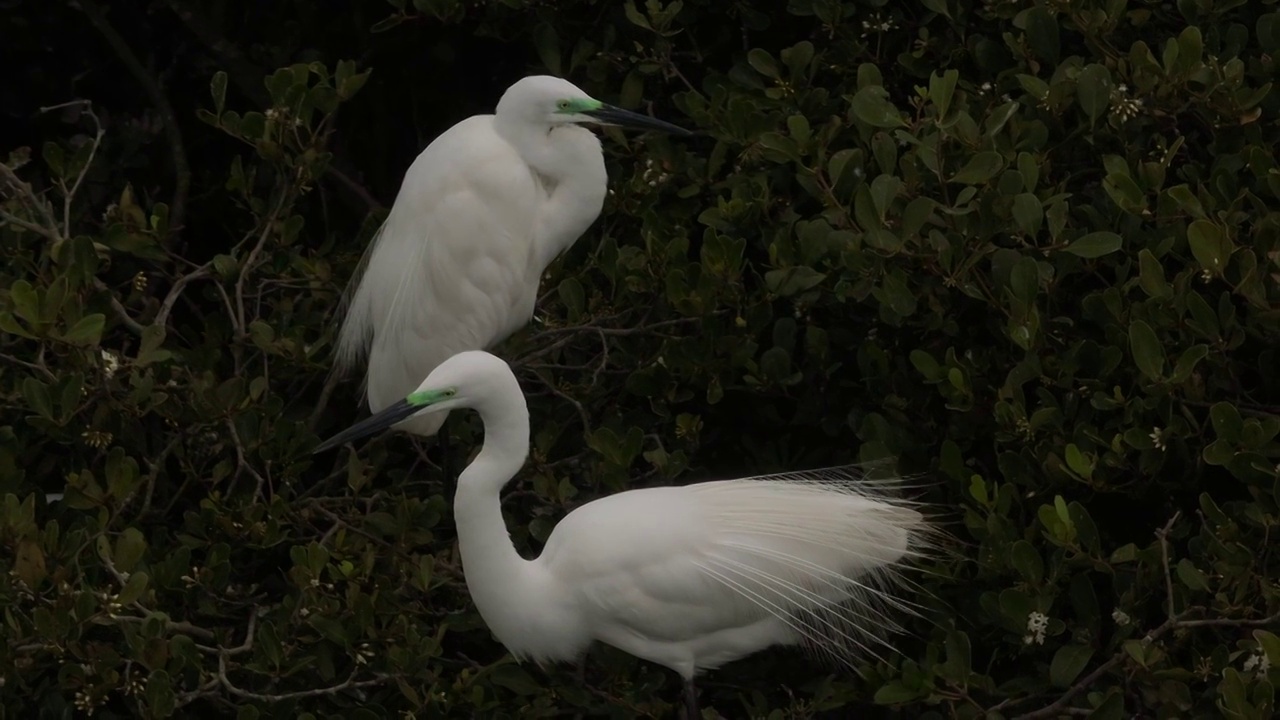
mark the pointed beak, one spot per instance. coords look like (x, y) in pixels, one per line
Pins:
(370, 425)
(610, 115)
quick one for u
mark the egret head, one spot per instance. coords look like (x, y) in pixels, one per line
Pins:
(550, 101)
(464, 380)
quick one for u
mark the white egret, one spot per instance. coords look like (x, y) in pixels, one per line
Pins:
(482, 212)
(687, 577)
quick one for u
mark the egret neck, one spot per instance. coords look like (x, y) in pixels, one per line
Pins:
(569, 166)
(494, 571)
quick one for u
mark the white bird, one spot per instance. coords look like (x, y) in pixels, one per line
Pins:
(482, 212)
(687, 577)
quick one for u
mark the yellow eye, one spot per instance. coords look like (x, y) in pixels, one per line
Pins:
(563, 104)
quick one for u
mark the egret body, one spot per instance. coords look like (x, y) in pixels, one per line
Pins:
(687, 577)
(482, 212)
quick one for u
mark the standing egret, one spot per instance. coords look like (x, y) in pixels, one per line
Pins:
(687, 577)
(481, 214)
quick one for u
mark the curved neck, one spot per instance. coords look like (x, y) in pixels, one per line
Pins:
(491, 565)
(570, 168)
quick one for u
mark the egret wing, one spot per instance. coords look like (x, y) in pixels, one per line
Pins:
(448, 269)
(814, 552)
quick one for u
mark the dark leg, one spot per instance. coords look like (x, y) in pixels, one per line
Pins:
(690, 700)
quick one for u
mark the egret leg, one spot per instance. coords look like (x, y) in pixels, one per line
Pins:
(690, 700)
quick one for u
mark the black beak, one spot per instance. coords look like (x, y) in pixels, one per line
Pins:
(370, 425)
(610, 115)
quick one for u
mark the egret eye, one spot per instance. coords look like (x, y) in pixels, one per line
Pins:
(563, 104)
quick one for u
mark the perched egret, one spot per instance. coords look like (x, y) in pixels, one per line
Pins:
(482, 212)
(687, 577)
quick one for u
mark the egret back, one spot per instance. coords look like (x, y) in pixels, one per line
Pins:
(449, 270)
(696, 576)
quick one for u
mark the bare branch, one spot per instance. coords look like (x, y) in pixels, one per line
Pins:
(245, 270)
(68, 195)
(28, 197)
(120, 310)
(1163, 535)
(242, 459)
(166, 307)
(348, 684)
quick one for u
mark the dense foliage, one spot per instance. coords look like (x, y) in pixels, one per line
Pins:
(1029, 249)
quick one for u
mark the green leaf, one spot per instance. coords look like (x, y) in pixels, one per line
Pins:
(1151, 276)
(218, 89)
(793, 280)
(1093, 90)
(38, 397)
(941, 88)
(1270, 645)
(894, 693)
(981, 167)
(149, 350)
(1042, 33)
(871, 105)
(87, 332)
(762, 62)
(573, 297)
(1146, 349)
(130, 547)
(133, 588)
(1026, 560)
(1191, 576)
(26, 303)
(1209, 244)
(1095, 245)
(514, 678)
(1227, 424)
(1068, 663)
(1028, 213)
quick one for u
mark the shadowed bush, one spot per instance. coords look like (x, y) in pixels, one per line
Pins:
(1030, 251)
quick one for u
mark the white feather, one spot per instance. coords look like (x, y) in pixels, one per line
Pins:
(687, 577)
(456, 264)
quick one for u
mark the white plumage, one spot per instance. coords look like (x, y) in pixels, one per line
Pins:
(687, 577)
(482, 212)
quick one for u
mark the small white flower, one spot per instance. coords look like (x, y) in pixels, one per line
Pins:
(1121, 617)
(1258, 663)
(1037, 624)
(1157, 438)
(110, 363)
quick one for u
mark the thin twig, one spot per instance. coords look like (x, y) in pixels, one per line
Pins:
(69, 195)
(166, 307)
(348, 684)
(268, 223)
(326, 392)
(1163, 535)
(120, 310)
(242, 459)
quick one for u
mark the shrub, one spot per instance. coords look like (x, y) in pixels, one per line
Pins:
(1030, 250)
